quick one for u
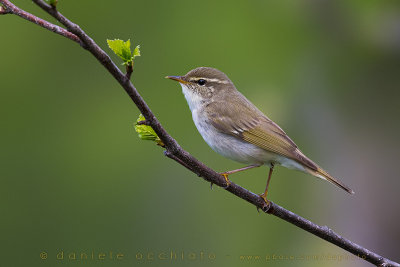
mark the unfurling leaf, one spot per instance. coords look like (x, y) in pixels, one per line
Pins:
(121, 49)
(136, 51)
(145, 132)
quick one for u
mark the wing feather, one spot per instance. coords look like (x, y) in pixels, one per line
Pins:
(251, 125)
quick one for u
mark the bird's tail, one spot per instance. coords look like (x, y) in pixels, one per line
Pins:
(313, 169)
(320, 173)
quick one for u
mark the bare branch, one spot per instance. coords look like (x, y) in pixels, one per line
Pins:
(173, 150)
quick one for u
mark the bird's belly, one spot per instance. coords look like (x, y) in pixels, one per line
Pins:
(232, 147)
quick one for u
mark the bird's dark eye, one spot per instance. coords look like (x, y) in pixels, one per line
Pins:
(201, 82)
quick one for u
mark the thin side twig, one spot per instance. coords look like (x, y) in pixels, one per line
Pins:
(10, 8)
(4, 10)
(175, 152)
(129, 70)
(143, 123)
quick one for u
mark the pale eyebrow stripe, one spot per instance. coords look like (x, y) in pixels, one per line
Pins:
(210, 80)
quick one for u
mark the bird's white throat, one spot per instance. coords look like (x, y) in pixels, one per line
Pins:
(194, 100)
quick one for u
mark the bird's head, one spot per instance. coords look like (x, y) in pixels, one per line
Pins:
(204, 83)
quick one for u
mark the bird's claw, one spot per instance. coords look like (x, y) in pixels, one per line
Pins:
(228, 183)
(264, 197)
(267, 204)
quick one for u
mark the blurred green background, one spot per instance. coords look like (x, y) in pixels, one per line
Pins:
(76, 179)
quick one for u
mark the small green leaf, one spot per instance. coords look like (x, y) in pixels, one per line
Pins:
(121, 49)
(145, 132)
(136, 51)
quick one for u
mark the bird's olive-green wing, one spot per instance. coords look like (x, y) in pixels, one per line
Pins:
(245, 121)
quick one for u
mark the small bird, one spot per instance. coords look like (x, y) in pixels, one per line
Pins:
(235, 128)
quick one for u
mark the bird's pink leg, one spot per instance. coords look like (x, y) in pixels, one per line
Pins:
(225, 174)
(264, 195)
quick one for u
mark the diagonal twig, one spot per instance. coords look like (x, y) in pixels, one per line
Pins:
(10, 8)
(173, 149)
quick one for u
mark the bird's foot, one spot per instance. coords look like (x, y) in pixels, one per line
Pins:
(264, 197)
(267, 203)
(228, 182)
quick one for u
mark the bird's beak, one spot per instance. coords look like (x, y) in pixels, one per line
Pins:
(177, 78)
